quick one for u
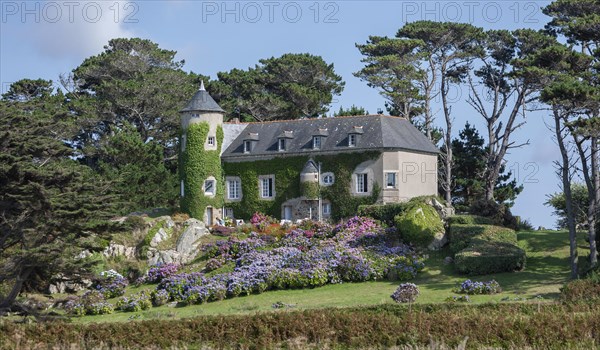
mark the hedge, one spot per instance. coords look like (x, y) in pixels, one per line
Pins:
(462, 235)
(419, 224)
(484, 257)
(383, 212)
(467, 219)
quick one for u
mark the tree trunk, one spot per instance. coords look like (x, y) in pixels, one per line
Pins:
(593, 204)
(566, 183)
(448, 141)
(7, 301)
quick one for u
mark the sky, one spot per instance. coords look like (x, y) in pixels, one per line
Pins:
(43, 39)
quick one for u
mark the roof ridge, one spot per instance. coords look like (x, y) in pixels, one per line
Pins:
(316, 119)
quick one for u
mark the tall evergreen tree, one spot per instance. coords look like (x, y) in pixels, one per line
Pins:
(50, 205)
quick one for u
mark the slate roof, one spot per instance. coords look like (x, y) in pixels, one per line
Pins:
(202, 102)
(378, 133)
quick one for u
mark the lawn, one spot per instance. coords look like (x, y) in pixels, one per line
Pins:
(547, 270)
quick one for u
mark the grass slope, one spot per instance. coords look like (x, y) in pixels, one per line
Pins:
(546, 271)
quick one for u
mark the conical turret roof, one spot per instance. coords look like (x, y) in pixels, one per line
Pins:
(202, 102)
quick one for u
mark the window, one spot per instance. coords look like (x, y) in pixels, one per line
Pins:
(317, 142)
(352, 140)
(211, 140)
(209, 187)
(233, 189)
(281, 145)
(229, 213)
(361, 183)
(390, 180)
(326, 208)
(327, 179)
(267, 185)
(247, 146)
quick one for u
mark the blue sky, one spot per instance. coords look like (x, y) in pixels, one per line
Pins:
(47, 38)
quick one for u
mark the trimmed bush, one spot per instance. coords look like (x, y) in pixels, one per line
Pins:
(499, 213)
(462, 235)
(382, 212)
(467, 219)
(484, 257)
(419, 224)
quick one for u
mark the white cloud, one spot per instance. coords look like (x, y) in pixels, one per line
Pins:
(78, 28)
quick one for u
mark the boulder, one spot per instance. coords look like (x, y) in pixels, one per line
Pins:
(161, 235)
(422, 226)
(114, 250)
(186, 248)
(62, 284)
(448, 260)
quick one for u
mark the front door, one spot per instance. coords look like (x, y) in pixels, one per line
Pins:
(209, 216)
(287, 212)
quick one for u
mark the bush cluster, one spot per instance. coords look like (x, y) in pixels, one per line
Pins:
(461, 236)
(355, 251)
(382, 212)
(499, 213)
(419, 224)
(135, 303)
(474, 287)
(467, 219)
(90, 303)
(406, 293)
(485, 257)
(111, 284)
(158, 272)
(583, 290)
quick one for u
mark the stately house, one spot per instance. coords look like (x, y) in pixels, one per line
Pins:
(319, 168)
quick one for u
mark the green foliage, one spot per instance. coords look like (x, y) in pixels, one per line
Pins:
(470, 157)
(499, 213)
(463, 235)
(137, 171)
(145, 243)
(581, 291)
(288, 87)
(196, 165)
(419, 224)
(484, 257)
(469, 220)
(353, 110)
(287, 183)
(382, 212)
(310, 190)
(580, 204)
(28, 89)
(50, 205)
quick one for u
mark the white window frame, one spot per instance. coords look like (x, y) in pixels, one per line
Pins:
(267, 186)
(362, 183)
(325, 176)
(211, 141)
(326, 208)
(214, 187)
(317, 142)
(395, 177)
(229, 213)
(247, 146)
(352, 140)
(281, 145)
(237, 189)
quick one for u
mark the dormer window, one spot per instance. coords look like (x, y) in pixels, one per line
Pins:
(281, 145)
(249, 141)
(352, 140)
(247, 146)
(316, 142)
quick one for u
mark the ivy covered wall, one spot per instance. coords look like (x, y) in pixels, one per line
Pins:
(287, 183)
(196, 165)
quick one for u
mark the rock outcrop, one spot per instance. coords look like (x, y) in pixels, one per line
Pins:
(186, 248)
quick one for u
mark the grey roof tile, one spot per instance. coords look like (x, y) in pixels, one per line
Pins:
(379, 132)
(202, 102)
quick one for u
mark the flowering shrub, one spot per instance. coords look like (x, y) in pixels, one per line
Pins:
(406, 293)
(261, 221)
(159, 297)
(135, 303)
(90, 303)
(309, 256)
(472, 287)
(111, 286)
(159, 272)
